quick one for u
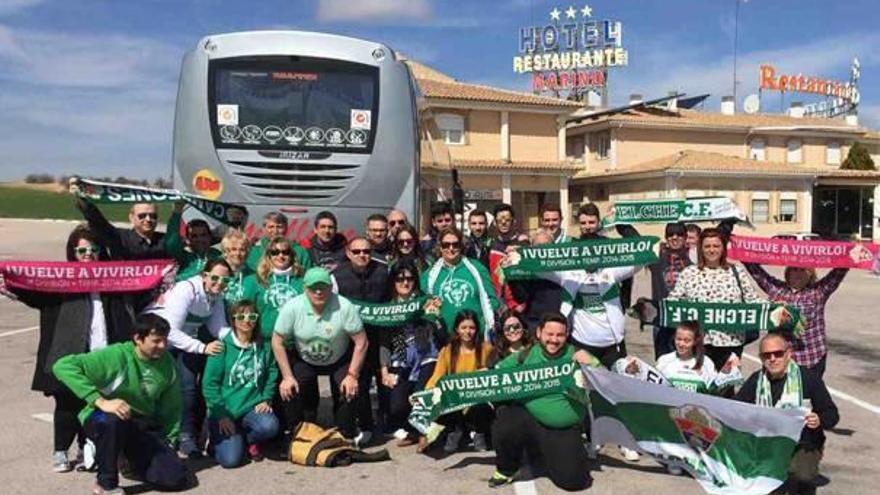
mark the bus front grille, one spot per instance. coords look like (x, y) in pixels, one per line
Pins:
(287, 181)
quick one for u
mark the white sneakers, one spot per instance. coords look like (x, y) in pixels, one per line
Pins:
(60, 462)
(629, 454)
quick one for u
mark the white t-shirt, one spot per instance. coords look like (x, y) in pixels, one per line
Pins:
(98, 328)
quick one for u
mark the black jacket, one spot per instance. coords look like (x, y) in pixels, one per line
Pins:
(369, 286)
(328, 255)
(123, 244)
(383, 252)
(814, 389)
(540, 297)
(662, 282)
(478, 248)
(65, 322)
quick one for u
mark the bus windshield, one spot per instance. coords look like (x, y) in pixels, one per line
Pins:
(293, 103)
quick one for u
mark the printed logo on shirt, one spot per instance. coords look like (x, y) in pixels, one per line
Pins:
(457, 291)
(316, 350)
(278, 294)
(244, 375)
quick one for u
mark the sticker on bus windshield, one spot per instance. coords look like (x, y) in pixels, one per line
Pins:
(357, 137)
(230, 133)
(227, 114)
(293, 134)
(314, 135)
(360, 119)
(272, 134)
(252, 134)
(335, 136)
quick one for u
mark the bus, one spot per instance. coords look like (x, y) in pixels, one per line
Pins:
(298, 122)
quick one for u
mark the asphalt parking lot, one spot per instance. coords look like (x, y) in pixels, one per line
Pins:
(851, 458)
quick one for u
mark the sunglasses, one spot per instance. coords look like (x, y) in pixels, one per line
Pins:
(87, 250)
(406, 242)
(219, 279)
(395, 222)
(405, 278)
(277, 252)
(449, 245)
(360, 252)
(772, 354)
(516, 327)
(245, 317)
(152, 216)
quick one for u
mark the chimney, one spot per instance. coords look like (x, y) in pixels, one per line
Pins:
(635, 98)
(727, 106)
(796, 109)
(852, 119)
(672, 103)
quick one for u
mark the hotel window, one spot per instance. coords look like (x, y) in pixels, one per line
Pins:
(760, 210)
(787, 210)
(574, 147)
(601, 144)
(795, 151)
(832, 153)
(756, 149)
(451, 128)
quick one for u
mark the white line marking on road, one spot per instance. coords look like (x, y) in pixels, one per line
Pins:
(525, 487)
(836, 393)
(16, 332)
(44, 417)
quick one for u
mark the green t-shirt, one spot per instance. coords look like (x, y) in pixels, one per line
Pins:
(270, 298)
(150, 387)
(320, 339)
(561, 410)
(189, 263)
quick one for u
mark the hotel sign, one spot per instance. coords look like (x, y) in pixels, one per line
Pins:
(572, 51)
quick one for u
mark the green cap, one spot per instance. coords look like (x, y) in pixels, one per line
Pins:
(316, 276)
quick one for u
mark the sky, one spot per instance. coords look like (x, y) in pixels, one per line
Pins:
(88, 86)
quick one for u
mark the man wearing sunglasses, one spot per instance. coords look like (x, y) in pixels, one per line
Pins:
(140, 242)
(362, 278)
(320, 333)
(396, 220)
(672, 260)
(327, 246)
(781, 383)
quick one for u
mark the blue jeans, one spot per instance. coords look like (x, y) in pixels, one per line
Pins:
(252, 428)
(190, 368)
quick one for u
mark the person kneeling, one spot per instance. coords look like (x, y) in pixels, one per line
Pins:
(783, 384)
(133, 406)
(549, 426)
(238, 386)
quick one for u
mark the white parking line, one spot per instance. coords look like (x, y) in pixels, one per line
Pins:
(45, 417)
(836, 393)
(525, 488)
(16, 332)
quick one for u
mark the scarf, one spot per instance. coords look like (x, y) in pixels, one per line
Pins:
(579, 255)
(792, 392)
(78, 277)
(485, 304)
(673, 210)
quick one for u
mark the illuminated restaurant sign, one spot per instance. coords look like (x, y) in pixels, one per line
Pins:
(573, 50)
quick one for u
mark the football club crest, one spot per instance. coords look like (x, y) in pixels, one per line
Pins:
(697, 427)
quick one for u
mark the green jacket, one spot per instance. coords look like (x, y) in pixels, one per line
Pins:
(459, 290)
(189, 263)
(269, 299)
(256, 252)
(239, 378)
(554, 410)
(150, 387)
(234, 291)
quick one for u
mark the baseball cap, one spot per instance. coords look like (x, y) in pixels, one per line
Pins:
(316, 276)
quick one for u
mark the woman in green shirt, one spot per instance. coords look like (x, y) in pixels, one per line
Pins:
(277, 280)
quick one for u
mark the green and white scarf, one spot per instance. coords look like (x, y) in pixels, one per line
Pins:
(792, 392)
(592, 254)
(732, 317)
(104, 192)
(391, 314)
(674, 210)
(485, 304)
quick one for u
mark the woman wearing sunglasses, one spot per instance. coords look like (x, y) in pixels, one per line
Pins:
(278, 279)
(514, 336)
(238, 386)
(407, 248)
(190, 305)
(462, 283)
(72, 324)
(407, 354)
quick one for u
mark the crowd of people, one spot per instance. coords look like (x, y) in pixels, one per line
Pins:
(232, 349)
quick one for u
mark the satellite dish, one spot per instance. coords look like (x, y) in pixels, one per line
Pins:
(751, 104)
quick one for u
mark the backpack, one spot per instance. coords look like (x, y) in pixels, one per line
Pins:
(314, 446)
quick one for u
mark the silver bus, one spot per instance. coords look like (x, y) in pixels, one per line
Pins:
(298, 122)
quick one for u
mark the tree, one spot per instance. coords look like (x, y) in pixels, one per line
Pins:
(858, 158)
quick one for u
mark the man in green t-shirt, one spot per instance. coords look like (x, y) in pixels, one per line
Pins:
(320, 333)
(551, 424)
(133, 405)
